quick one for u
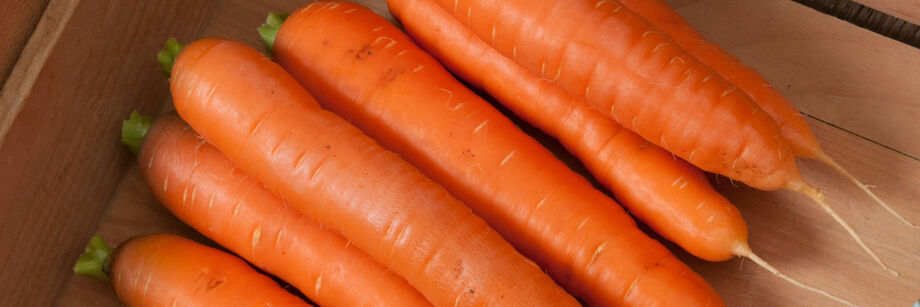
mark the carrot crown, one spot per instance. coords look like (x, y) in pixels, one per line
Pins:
(168, 55)
(270, 28)
(95, 260)
(134, 129)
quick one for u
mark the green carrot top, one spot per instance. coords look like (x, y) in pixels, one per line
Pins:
(270, 28)
(168, 55)
(95, 260)
(134, 129)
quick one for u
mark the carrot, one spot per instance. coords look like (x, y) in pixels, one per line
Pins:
(669, 195)
(372, 74)
(198, 184)
(795, 130)
(625, 68)
(166, 270)
(265, 122)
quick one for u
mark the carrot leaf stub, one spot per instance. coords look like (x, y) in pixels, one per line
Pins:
(168, 55)
(270, 28)
(134, 129)
(95, 259)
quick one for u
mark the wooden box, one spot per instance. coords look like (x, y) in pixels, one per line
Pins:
(64, 176)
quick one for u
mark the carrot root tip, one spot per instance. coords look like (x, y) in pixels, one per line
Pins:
(134, 129)
(269, 30)
(824, 158)
(743, 250)
(167, 56)
(820, 198)
(95, 259)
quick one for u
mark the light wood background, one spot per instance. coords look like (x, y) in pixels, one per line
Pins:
(64, 177)
(905, 9)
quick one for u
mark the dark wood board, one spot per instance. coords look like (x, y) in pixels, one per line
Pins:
(60, 158)
(18, 22)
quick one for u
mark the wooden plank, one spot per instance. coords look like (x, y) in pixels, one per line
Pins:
(868, 18)
(905, 9)
(844, 75)
(29, 64)
(132, 212)
(90, 64)
(18, 20)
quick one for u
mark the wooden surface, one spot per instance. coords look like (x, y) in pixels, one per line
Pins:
(875, 20)
(860, 88)
(905, 9)
(132, 211)
(19, 19)
(87, 66)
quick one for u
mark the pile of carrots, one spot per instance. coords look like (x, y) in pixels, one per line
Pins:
(353, 166)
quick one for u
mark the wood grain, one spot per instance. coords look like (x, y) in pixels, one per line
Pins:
(868, 18)
(31, 61)
(61, 160)
(19, 19)
(847, 76)
(131, 212)
(905, 9)
(810, 57)
(805, 243)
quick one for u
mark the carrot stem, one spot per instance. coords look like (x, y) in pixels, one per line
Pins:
(744, 250)
(269, 30)
(824, 158)
(134, 129)
(168, 55)
(95, 259)
(819, 197)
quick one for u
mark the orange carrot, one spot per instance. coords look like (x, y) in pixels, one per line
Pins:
(674, 198)
(623, 67)
(669, 195)
(372, 74)
(265, 122)
(795, 130)
(166, 270)
(198, 184)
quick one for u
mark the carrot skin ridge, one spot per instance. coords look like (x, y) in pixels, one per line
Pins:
(662, 93)
(674, 198)
(795, 130)
(370, 73)
(802, 141)
(613, 58)
(207, 191)
(618, 157)
(162, 269)
(326, 168)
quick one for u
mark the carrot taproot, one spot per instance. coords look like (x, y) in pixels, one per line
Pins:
(669, 195)
(646, 179)
(628, 70)
(802, 141)
(372, 74)
(268, 125)
(169, 270)
(204, 189)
